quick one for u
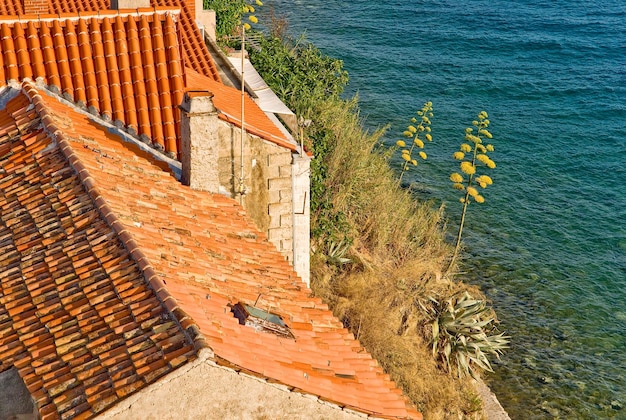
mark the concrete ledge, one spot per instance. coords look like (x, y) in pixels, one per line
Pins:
(491, 406)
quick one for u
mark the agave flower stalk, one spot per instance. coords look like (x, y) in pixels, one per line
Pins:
(469, 179)
(417, 128)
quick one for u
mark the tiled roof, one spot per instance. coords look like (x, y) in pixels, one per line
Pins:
(77, 318)
(124, 65)
(195, 54)
(228, 101)
(204, 255)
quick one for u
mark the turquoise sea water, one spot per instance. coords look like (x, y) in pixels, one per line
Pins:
(549, 245)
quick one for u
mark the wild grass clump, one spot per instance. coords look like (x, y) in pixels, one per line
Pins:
(386, 224)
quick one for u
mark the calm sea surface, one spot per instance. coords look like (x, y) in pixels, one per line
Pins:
(549, 245)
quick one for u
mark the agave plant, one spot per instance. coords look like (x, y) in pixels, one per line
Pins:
(464, 334)
(336, 253)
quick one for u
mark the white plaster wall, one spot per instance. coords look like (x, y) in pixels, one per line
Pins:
(203, 390)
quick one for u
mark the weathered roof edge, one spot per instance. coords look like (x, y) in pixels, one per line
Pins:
(101, 14)
(187, 325)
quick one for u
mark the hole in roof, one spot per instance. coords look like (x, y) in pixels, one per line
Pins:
(261, 320)
(15, 400)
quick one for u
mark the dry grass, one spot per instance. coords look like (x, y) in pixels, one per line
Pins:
(398, 253)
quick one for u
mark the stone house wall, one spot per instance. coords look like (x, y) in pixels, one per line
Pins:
(275, 181)
(204, 390)
(277, 191)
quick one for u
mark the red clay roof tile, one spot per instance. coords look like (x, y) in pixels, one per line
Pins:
(127, 67)
(62, 330)
(324, 359)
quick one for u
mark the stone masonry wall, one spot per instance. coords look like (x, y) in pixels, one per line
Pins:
(267, 180)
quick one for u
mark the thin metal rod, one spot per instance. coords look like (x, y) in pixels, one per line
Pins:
(243, 128)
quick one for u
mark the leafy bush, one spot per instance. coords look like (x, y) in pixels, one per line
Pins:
(227, 15)
(299, 73)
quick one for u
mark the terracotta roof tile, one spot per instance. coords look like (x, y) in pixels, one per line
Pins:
(125, 66)
(174, 225)
(67, 333)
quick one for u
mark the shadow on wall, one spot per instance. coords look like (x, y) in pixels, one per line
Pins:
(15, 400)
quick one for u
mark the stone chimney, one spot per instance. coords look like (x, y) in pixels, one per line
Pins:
(199, 142)
(36, 7)
(128, 4)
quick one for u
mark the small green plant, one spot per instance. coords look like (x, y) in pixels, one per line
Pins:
(474, 157)
(228, 14)
(464, 334)
(413, 135)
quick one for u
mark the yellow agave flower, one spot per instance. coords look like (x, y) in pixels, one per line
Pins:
(490, 148)
(469, 130)
(472, 191)
(400, 143)
(479, 199)
(251, 9)
(466, 148)
(407, 133)
(412, 129)
(427, 129)
(481, 148)
(473, 138)
(491, 164)
(458, 155)
(413, 120)
(429, 137)
(456, 177)
(485, 179)
(459, 187)
(486, 133)
(482, 184)
(259, 3)
(418, 143)
(247, 26)
(253, 19)
(414, 162)
(484, 159)
(482, 115)
(406, 156)
(423, 155)
(468, 168)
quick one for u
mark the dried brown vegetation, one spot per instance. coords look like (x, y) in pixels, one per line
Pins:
(397, 255)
